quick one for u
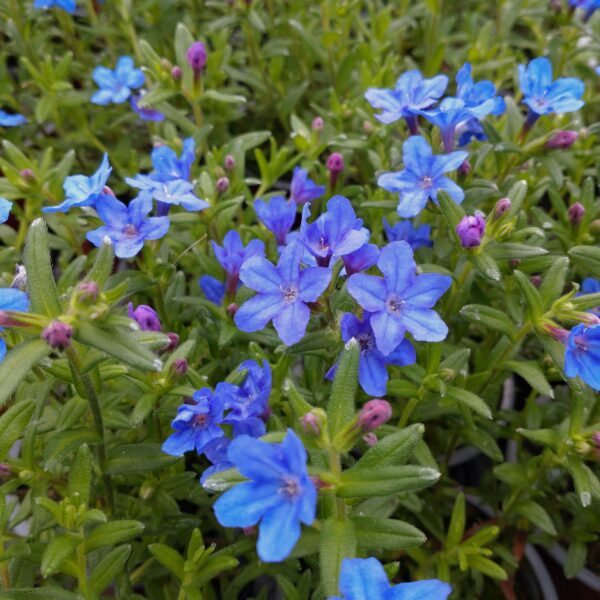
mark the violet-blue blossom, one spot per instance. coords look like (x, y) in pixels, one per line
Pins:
(216, 452)
(283, 292)
(591, 286)
(479, 97)
(81, 190)
(589, 7)
(213, 289)
(116, 85)
(128, 227)
(67, 5)
(366, 579)
(360, 260)
(11, 299)
(5, 208)
(279, 496)
(334, 233)
(372, 371)
(167, 165)
(303, 189)
(401, 301)
(175, 192)
(470, 229)
(145, 316)
(405, 231)
(145, 112)
(278, 216)
(582, 354)
(11, 119)
(423, 176)
(411, 94)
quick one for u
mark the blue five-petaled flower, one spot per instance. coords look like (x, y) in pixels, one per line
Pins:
(115, 86)
(582, 356)
(402, 301)
(405, 231)
(283, 292)
(303, 189)
(11, 120)
(5, 207)
(365, 579)
(278, 216)
(279, 496)
(11, 299)
(68, 5)
(423, 176)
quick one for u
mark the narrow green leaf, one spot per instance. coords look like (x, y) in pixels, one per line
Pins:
(110, 534)
(80, 474)
(587, 257)
(138, 458)
(13, 423)
(531, 372)
(489, 317)
(338, 541)
(554, 281)
(340, 410)
(386, 534)
(452, 212)
(103, 264)
(487, 567)
(108, 569)
(470, 400)
(532, 296)
(57, 551)
(169, 558)
(456, 529)
(486, 265)
(538, 515)
(576, 558)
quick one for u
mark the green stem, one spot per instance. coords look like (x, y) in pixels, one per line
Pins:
(335, 464)
(82, 569)
(407, 412)
(458, 288)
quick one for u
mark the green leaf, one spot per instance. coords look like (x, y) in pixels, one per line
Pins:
(338, 541)
(63, 443)
(386, 534)
(13, 423)
(554, 281)
(45, 593)
(222, 97)
(530, 371)
(40, 280)
(103, 264)
(18, 363)
(312, 342)
(340, 410)
(57, 551)
(108, 569)
(80, 474)
(533, 299)
(385, 481)
(110, 534)
(487, 567)
(586, 483)
(169, 558)
(211, 568)
(516, 195)
(510, 251)
(537, 514)
(470, 400)
(486, 265)
(456, 529)
(451, 211)
(489, 317)
(543, 437)
(576, 558)
(138, 458)
(587, 257)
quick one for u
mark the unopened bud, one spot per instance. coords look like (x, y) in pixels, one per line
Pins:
(58, 335)
(502, 206)
(318, 124)
(470, 230)
(145, 317)
(576, 213)
(536, 280)
(368, 127)
(176, 72)
(558, 333)
(88, 291)
(374, 414)
(313, 422)
(180, 367)
(222, 185)
(232, 309)
(27, 174)
(562, 140)
(196, 57)
(229, 162)
(250, 531)
(465, 168)
(370, 439)
(596, 439)
(173, 342)
(595, 227)
(335, 165)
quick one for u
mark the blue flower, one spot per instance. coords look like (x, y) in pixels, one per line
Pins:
(5, 207)
(81, 190)
(115, 86)
(216, 452)
(303, 189)
(167, 165)
(68, 5)
(233, 254)
(11, 120)
(279, 495)
(411, 95)
(277, 216)
(335, 233)
(213, 289)
(401, 301)
(589, 7)
(480, 98)
(582, 356)
(175, 192)
(361, 260)
(365, 579)
(423, 176)
(590, 286)
(196, 425)
(372, 372)
(447, 117)
(128, 227)
(283, 292)
(544, 96)
(145, 112)
(405, 231)
(11, 299)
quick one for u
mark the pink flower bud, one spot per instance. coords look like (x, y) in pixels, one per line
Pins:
(222, 185)
(27, 174)
(374, 414)
(558, 333)
(318, 124)
(176, 72)
(576, 212)
(173, 342)
(536, 280)
(88, 291)
(232, 309)
(335, 165)
(370, 439)
(108, 191)
(196, 57)
(562, 140)
(465, 168)
(229, 162)
(58, 335)
(502, 206)
(470, 230)
(180, 367)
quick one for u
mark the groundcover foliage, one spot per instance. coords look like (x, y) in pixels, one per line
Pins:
(269, 271)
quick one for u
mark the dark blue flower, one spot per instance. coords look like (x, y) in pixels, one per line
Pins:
(115, 86)
(582, 355)
(279, 495)
(365, 579)
(405, 231)
(412, 94)
(145, 112)
(589, 7)
(11, 120)
(175, 192)
(5, 207)
(334, 233)
(372, 372)
(216, 452)
(283, 292)
(303, 189)
(11, 299)
(401, 301)
(233, 254)
(196, 425)
(81, 190)
(543, 95)
(361, 260)
(213, 289)
(68, 5)
(590, 286)
(128, 227)
(277, 216)
(422, 177)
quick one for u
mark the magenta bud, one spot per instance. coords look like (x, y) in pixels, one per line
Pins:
(561, 140)
(173, 342)
(144, 316)
(5, 470)
(232, 309)
(318, 124)
(502, 206)
(335, 163)
(558, 333)
(465, 168)
(370, 439)
(470, 230)
(176, 72)
(374, 414)
(196, 57)
(180, 367)
(88, 291)
(27, 174)
(596, 440)
(58, 335)
(229, 162)
(536, 280)
(576, 212)
(222, 185)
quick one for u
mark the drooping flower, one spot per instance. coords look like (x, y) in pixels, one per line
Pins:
(361, 260)
(116, 85)
(213, 289)
(145, 112)
(412, 94)
(582, 355)
(365, 579)
(401, 301)
(480, 98)
(405, 231)
(81, 190)
(5, 208)
(175, 192)
(196, 425)
(543, 95)
(145, 316)
(334, 233)
(11, 299)
(470, 229)
(277, 216)
(372, 372)
(67, 5)
(303, 189)
(423, 176)
(283, 292)
(447, 117)
(233, 254)
(279, 496)
(11, 120)
(128, 227)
